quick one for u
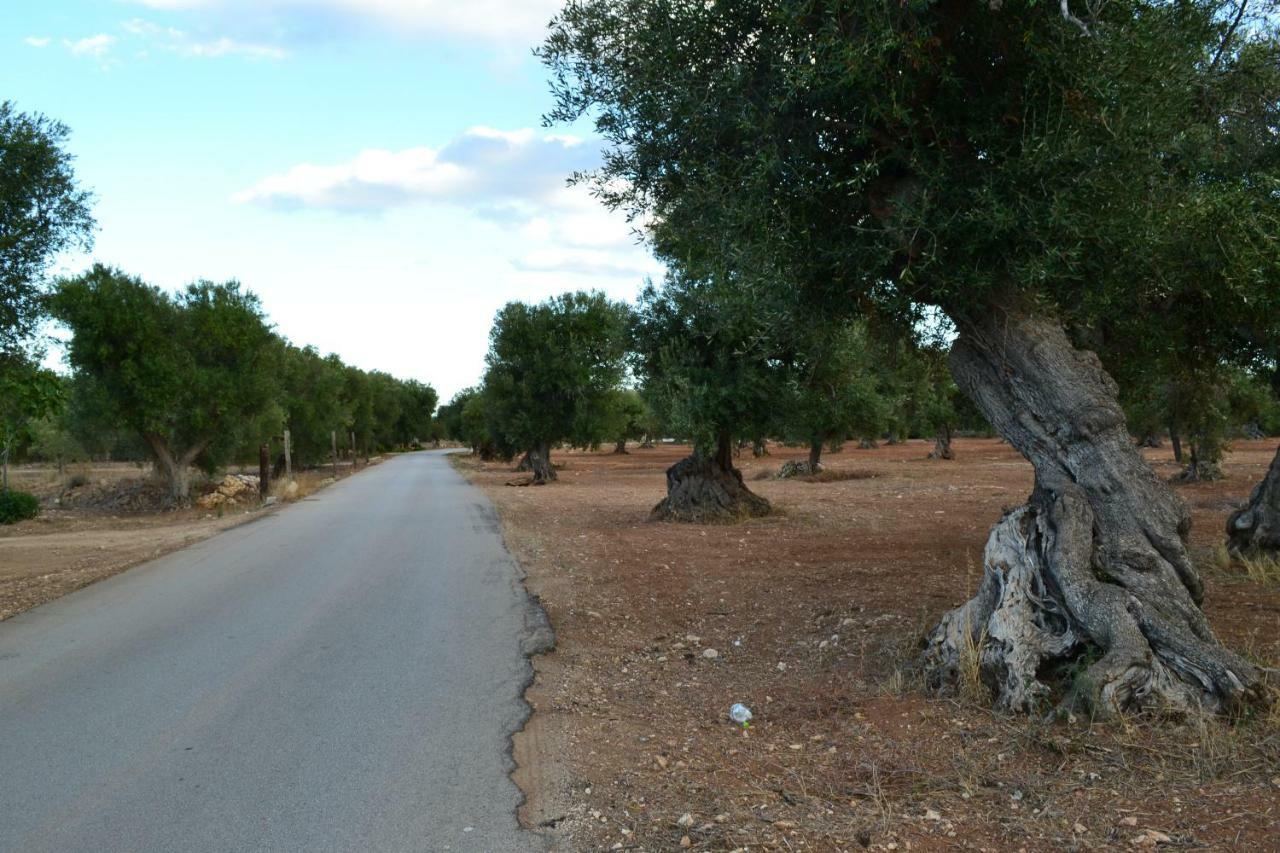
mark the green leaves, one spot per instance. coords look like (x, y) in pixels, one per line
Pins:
(552, 368)
(42, 212)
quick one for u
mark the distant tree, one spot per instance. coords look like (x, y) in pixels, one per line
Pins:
(450, 415)
(417, 408)
(832, 389)
(43, 212)
(704, 350)
(551, 370)
(311, 390)
(186, 371)
(27, 393)
(626, 418)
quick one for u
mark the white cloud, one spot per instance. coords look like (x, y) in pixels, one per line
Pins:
(500, 174)
(508, 21)
(95, 46)
(512, 180)
(178, 41)
(37, 41)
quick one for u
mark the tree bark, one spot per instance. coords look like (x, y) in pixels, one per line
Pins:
(758, 448)
(815, 455)
(708, 488)
(1094, 567)
(176, 470)
(621, 447)
(1175, 439)
(1203, 466)
(526, 463)
(540, 464)
(867, 444)
(942, 444)
(1255, 527)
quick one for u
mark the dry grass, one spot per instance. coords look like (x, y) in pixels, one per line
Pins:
(1260, 568)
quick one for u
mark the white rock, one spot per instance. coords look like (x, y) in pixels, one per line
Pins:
(686, 819)
(782, 667)
(710, 654)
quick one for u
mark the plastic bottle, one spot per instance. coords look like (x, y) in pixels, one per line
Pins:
(740, 714)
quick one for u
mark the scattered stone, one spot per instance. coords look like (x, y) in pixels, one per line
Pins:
(782, 667)
(1079, 829)
(931, 814)
(686, 841)
(686, 819)
(710, 654)
(1129, 820)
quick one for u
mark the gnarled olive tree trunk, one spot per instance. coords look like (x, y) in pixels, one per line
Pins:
(1205, 463)
(807, 468)
(708, 488)
(540, 464)
(621, 447)
(175, 468)
(1255, 527)
(942, 444)
(525, 465)
(1093, 571)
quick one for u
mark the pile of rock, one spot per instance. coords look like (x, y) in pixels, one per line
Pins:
(234, 489)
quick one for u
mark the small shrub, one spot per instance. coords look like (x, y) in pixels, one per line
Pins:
(17, 506)
(77, 481)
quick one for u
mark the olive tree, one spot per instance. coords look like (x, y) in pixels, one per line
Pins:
(1023, 171)
(703, 348)
(186, 371)
(832, 389)
(551, 369)
(43, 211)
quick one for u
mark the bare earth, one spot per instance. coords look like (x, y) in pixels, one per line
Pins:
(814, 613)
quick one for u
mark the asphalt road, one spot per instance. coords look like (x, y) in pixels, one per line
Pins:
(344, 674)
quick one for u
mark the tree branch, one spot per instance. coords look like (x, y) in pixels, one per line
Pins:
(1231, 34)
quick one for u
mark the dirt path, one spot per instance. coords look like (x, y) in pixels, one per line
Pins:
(813, 614)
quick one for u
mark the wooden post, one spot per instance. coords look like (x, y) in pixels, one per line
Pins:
(333, 449)
(264, 470)
(288, 459)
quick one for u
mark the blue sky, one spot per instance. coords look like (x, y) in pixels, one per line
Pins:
(375, 170)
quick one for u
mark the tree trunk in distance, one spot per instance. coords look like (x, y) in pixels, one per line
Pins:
(264, 471)
(942, 444)
(1150, 440)
(1176, 441)
(815, 455)
(1203, 466)
(621, 447)
(1255, 527)
(540, 464)
(175, 470)
(758, 448)
(1095, 565)
(525, 465)
(708, 488)
(867, 444)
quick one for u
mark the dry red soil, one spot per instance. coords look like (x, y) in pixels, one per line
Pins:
(814, 614)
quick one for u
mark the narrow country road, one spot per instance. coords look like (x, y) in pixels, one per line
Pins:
(344, 674)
